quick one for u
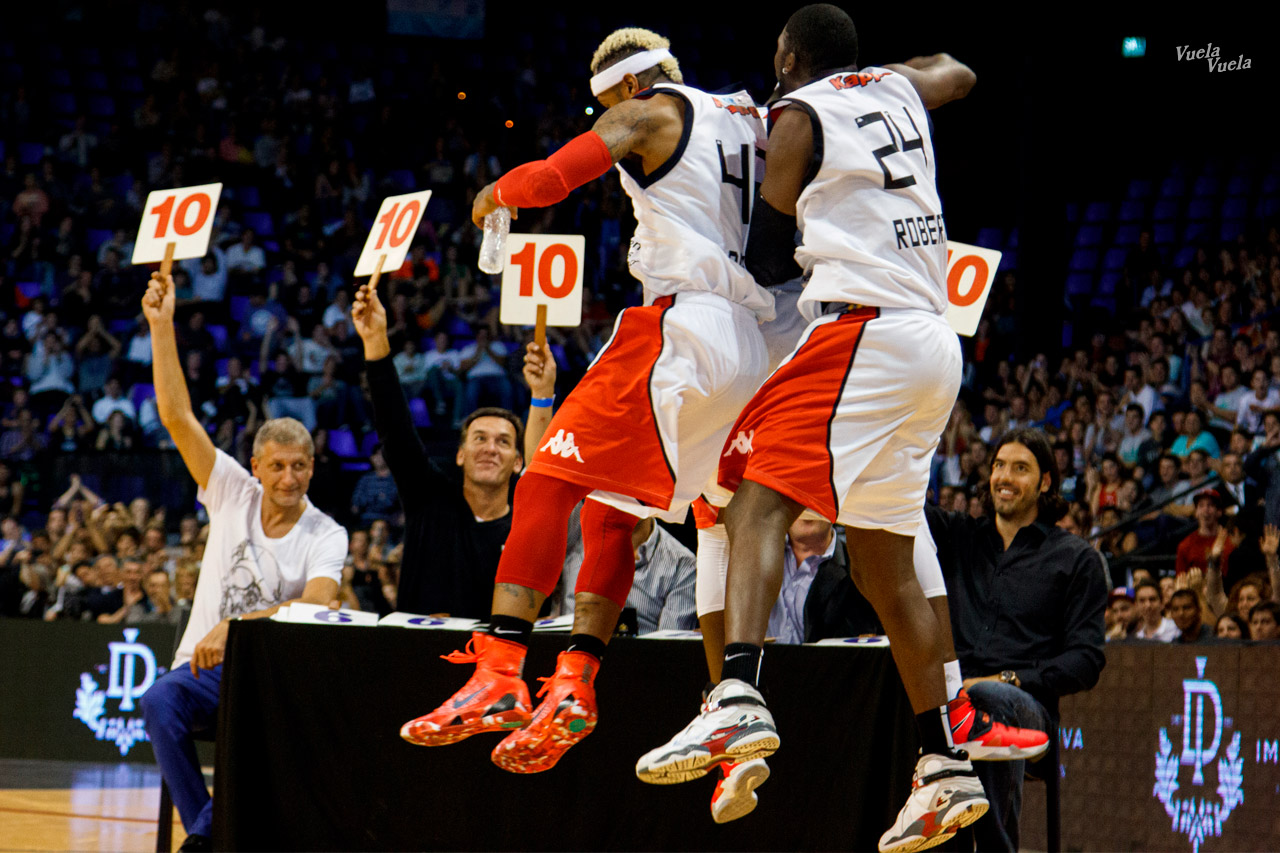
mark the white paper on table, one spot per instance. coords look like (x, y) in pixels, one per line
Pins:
(853, 641)
(318, 614)
(672, 634)
(436, 623)
(555, 623)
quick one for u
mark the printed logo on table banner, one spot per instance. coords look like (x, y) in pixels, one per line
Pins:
(131, 671)
(392, 233)
(182, 216)
(543, 269)
(1197, 808)
(970, 273)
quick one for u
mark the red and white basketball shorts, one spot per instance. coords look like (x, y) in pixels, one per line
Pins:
(848, 424)
(647, 424)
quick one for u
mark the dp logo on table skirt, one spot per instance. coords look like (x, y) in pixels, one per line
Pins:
(131, 671)
(1201, 804)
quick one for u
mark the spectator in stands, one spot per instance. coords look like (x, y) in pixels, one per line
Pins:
(1136, 390)
(1231, 628)
(1194, 437)
(51, 371)
(411, 367)
(482, 363)
(1263, 465)
(339, 312)
(1152, 624)
(1133, 437)
(24, 441)
(442, 367)
(462, 528)
(1226, 405)
(1119, 616)
(116, 435)
(114, 400)
(1254, 405)
(1264, 621)
(1186, 610)
(12, 492)
(1239, 491)
(1209, 536)
(1050, 589)
(160, 606)
(375, 494)
(96, 352)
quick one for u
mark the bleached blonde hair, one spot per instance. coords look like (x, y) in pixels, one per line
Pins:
(620, 44)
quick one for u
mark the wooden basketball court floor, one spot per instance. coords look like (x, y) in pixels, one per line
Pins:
(67, 805)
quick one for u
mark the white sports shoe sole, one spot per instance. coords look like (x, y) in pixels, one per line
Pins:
(737, 792)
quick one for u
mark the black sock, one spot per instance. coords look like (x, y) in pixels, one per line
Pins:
(593, 646)
(742, 661)
(935, 732)
(511, 628)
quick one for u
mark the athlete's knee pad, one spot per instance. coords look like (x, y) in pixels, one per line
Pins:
(608, 560)
(713, 568)
(928, 569)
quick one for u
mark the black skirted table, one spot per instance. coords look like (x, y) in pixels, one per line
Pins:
(309, 755)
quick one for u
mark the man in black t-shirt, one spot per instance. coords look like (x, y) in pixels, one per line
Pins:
(453, 531)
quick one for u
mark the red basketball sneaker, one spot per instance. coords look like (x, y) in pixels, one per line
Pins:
(565, 716)
(735, 793)
(494, 699)
(986, 740)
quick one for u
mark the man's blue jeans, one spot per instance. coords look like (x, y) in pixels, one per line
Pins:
(1002, 780)
(177, 708)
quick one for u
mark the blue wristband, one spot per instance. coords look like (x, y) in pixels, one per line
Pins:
(542, 402)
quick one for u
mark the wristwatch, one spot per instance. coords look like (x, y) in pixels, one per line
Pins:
(1009, 677)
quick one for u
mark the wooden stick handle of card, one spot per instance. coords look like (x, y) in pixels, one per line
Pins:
(166, 265)
(377, 273)
(540, 328)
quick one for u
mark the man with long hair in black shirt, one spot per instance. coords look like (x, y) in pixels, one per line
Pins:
(463, 526)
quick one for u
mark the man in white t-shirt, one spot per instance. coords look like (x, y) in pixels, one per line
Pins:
(268, 545)
(1152, 623)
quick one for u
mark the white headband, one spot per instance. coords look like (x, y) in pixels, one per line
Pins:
(633, 64)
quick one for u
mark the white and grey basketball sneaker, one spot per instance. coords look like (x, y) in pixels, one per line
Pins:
(946, 795)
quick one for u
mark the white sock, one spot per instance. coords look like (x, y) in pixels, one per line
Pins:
(951, 669)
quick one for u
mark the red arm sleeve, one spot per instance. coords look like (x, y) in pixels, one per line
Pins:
(546, 182)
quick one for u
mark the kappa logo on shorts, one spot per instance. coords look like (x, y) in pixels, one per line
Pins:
(561, 444)
(741, 443)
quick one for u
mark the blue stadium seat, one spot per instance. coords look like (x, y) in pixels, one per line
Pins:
(1073, 212)
(1106, 303)
(1097, 211)
(239, 308)
(102, 106)
(1079, 284)
(248, 196)
(1201, 209)
(1127, 235)
(1133, 210)
(1206, 185)
(7, 229)
(141, 391)
(1231, 229)
(63, 103)
(59, 78)
(259, 221)
(94, 81)
(1240, 185)
(95, 237)
(121, 184)
(343, 444)
(1173, 187)
(130, 84)
(990, 238)
(1236, 207)
(1167, 210)
(1108, 283)
(1009, 260)
(1084, 260)
(1195, 232)
(220, 367)
(1089, 235)
(418, 410)
(126, 57)
(369, 442)
(402, 179)
(89, 55)
(1114, 259)
(1139, 188)
(1267, 207)
(1013, 238)
(219, 335)
(1271, 184)
(1184, 257)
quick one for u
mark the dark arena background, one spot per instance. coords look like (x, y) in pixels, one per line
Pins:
(1122, 160)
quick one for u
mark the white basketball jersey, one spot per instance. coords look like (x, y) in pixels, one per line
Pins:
(870, 218)
(692, 212)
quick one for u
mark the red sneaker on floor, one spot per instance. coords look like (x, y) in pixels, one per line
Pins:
(986, 740)
(494, 699)
(565, 716)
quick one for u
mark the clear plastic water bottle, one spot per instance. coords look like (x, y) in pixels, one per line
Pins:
(493, 251)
